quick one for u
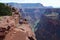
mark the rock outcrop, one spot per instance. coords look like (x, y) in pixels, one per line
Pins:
(12, 29)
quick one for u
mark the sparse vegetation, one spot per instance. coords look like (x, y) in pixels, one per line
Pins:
(5, 10)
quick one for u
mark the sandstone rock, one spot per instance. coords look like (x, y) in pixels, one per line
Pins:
(26, 27)
(16, 34)
(15, 31)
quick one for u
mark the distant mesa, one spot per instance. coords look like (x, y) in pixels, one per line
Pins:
(26, 5)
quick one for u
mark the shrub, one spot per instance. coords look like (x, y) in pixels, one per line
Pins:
(5, 10)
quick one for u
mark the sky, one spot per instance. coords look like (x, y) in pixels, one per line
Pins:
(54, 3)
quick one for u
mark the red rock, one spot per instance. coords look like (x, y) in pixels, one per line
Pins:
(16, 34)
(17, 31)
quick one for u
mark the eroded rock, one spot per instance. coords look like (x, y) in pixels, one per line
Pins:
(15, 31)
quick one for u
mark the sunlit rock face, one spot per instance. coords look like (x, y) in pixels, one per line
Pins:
(3, 26)
(48, 29)
(16, 34)
(20, 34)
(12, 30)
(26, 27)
(6, 22)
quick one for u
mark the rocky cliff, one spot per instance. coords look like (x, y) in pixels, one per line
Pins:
(12, 29)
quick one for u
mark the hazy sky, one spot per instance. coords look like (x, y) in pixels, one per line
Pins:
(54, 3)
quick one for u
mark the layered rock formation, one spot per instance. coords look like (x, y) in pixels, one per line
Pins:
(48, 29)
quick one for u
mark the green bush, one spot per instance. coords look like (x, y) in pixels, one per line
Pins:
(5, 10)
